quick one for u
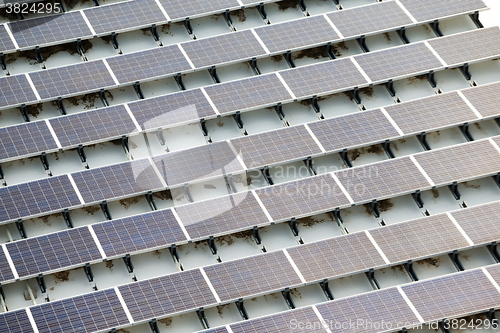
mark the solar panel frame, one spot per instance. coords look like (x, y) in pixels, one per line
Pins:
(173, 109)
(302, 197)
(360, 128)
(252, 276)
(72, 79)
(247, 94)
(425, 114)
(223, 49)
(322, 78)
(5, 41)
(460, 162)
(453, 295)
(15, 90)
(115, 181)
(398, 62)
(178, 9)
(335, 257)
(15, 321)
(93, 126)
(54, 251)
(5, 270)
(166, 295)
(429, 10)
(484, 98)
(25, 139)
(480, 223)
(268, 148)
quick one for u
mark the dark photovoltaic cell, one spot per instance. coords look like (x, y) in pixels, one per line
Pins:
(248, 93)
(400, 61)
(453, 295)
(222, 49)
(124, 15)
(484, 98)
(167, 295)
(116, 180)
(480, 223)
(83, 77)
(252, 275)
(383, 179)
(15, 90)
(325, 77)
(181, 8)
(148, 64)
(5, 271)
(457, 163)
(15, 322)
(431, 112)
(336, 256)
(297, 34)
(41, 196)
(353, 130)
(214, 216)
(49, 29)
(88, 313)
(301, 197)
(369, 19)
(57, 250)
(481, 43)
(85, 127)
(138, 232)
(427, 10)
(25, 139)
(418, 238)
(189, 105)
(5, 41)
(382, 310)
(216, 159)
(276, 146)
(281, 323)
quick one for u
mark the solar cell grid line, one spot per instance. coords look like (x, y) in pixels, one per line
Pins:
(15, 90)
(297, 34)
(460, 162)
(398, 62)
(5, 40)
(118, 180)
(148, 64)
(376, 311)
(36, 197)
(381, 180)
(179, 9)
(254, 275)
(220, 215)
(195, 164)
(423, 237)
(173, 109)
(50, 29)
(302, 197)
(15, 321)
(283, 322)
(484, 98)
(25, 139)
(224, 48)
(139, 232)
(481, 222)
(429, 10)
(452, 296)
(91, 312)
(258, 91)
(53, 251)
(370, 19)
(166, 295)
(124, 16)
(93, 126)
(338, 256)
(6, 273)
(324, 77)
(481, 44)
(79, 78)
(353, 130)
(275, 146)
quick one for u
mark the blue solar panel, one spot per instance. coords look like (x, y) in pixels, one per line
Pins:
(15, 322)
(15, 90)
(5, 271)
(5, 41)
(177, 9)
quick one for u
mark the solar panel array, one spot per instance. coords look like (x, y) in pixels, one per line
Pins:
(429, 10)
(5, 41)
(179, 8)
(484, 98)
(15, 90)
(480, 223)
(15, 321)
